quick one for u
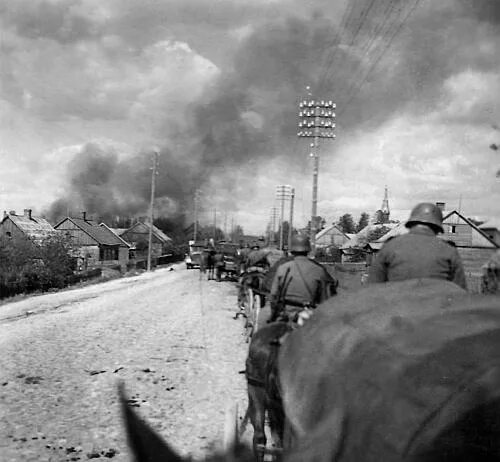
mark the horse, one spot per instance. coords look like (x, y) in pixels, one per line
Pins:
(207, 264)
(262, 386)
(402, 371)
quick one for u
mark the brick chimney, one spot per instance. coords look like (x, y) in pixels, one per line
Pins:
(5, 214)
(27, 213)
(84, 216)
(441, 205)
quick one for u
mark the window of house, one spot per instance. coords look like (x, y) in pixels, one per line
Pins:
(453, 229)
(8, 234)
(108, 253)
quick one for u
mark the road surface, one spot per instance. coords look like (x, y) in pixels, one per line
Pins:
(168, 335)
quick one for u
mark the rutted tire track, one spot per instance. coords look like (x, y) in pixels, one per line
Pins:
(170, 337)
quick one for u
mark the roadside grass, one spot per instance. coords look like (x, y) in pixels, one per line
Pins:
(107, 274)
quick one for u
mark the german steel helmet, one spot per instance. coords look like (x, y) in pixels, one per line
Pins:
(428, 214)
(300, 243)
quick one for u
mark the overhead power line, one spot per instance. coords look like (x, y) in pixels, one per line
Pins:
(381, 55)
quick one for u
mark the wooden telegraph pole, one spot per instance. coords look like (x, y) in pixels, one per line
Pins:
(151, 206)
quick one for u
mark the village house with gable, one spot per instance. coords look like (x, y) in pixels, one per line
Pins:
(492, 229)
(27, 225)
(138, 237)
(94, 246)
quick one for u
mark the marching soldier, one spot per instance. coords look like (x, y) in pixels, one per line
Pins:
(299, 283)
(256, 259)
(420, 253)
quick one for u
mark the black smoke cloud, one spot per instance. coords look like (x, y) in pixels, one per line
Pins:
(249, 115)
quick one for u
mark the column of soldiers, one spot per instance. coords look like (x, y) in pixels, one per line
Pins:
(304, 283)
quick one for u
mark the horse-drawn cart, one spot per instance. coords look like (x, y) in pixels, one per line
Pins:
(252, 298)
(254, 290)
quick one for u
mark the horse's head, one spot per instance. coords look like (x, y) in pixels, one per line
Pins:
(147, 446)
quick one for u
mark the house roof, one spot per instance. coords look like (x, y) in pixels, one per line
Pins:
(491, 223)
(102, 235)
(159, 234)
(361, 237)
(34, 227)
(398, 230)
(117, 231)
(458, 217)
(114, 231)
(328, 229)
(374, 245)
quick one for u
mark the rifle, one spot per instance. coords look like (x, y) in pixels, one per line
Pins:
(279, 305)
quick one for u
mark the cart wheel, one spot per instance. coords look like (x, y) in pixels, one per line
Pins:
(256, 312)
(231, 436)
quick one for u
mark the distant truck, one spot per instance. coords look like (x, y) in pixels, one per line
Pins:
(193, 258)
(230, 258)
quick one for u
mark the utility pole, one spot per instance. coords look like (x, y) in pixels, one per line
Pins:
(316, 121)
(282, 193)
(196, 199)
(290, 225)
(215, 225)
(151, 207)
(272, 224)
(225, 226)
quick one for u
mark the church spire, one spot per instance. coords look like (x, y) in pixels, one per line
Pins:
(382, 214)
(385, 203)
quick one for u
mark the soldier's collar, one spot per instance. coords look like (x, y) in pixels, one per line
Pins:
(422, 230)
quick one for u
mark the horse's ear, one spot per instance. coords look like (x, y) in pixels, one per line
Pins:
(145, 443)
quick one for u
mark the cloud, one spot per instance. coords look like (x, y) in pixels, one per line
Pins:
(215, 86)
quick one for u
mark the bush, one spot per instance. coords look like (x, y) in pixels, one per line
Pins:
(27, 266)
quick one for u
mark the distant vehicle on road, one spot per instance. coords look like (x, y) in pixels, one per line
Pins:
(193, 258)
(229, 253)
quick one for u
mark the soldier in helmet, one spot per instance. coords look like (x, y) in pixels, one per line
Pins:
(420, 253)
(256, 258)
(299, 283)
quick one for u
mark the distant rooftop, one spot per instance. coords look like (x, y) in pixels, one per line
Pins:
(32, 226)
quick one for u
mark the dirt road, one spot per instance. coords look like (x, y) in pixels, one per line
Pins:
(168, 335)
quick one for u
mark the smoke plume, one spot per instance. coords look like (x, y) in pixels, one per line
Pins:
(249, 114)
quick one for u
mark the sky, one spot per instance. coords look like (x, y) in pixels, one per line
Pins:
(90, 89)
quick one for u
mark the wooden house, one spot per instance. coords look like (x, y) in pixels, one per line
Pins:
(492, 229)
(474, 246)
(94, 246)
(331, 236)
(138, 236)
(15, 227)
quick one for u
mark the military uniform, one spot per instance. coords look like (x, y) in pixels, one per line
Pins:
(418, 254)
(297, 283)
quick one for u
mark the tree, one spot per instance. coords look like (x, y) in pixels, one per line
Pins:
(55, 261)
(28, 265)
(346, 223)
(363, 221)
(377, 233)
